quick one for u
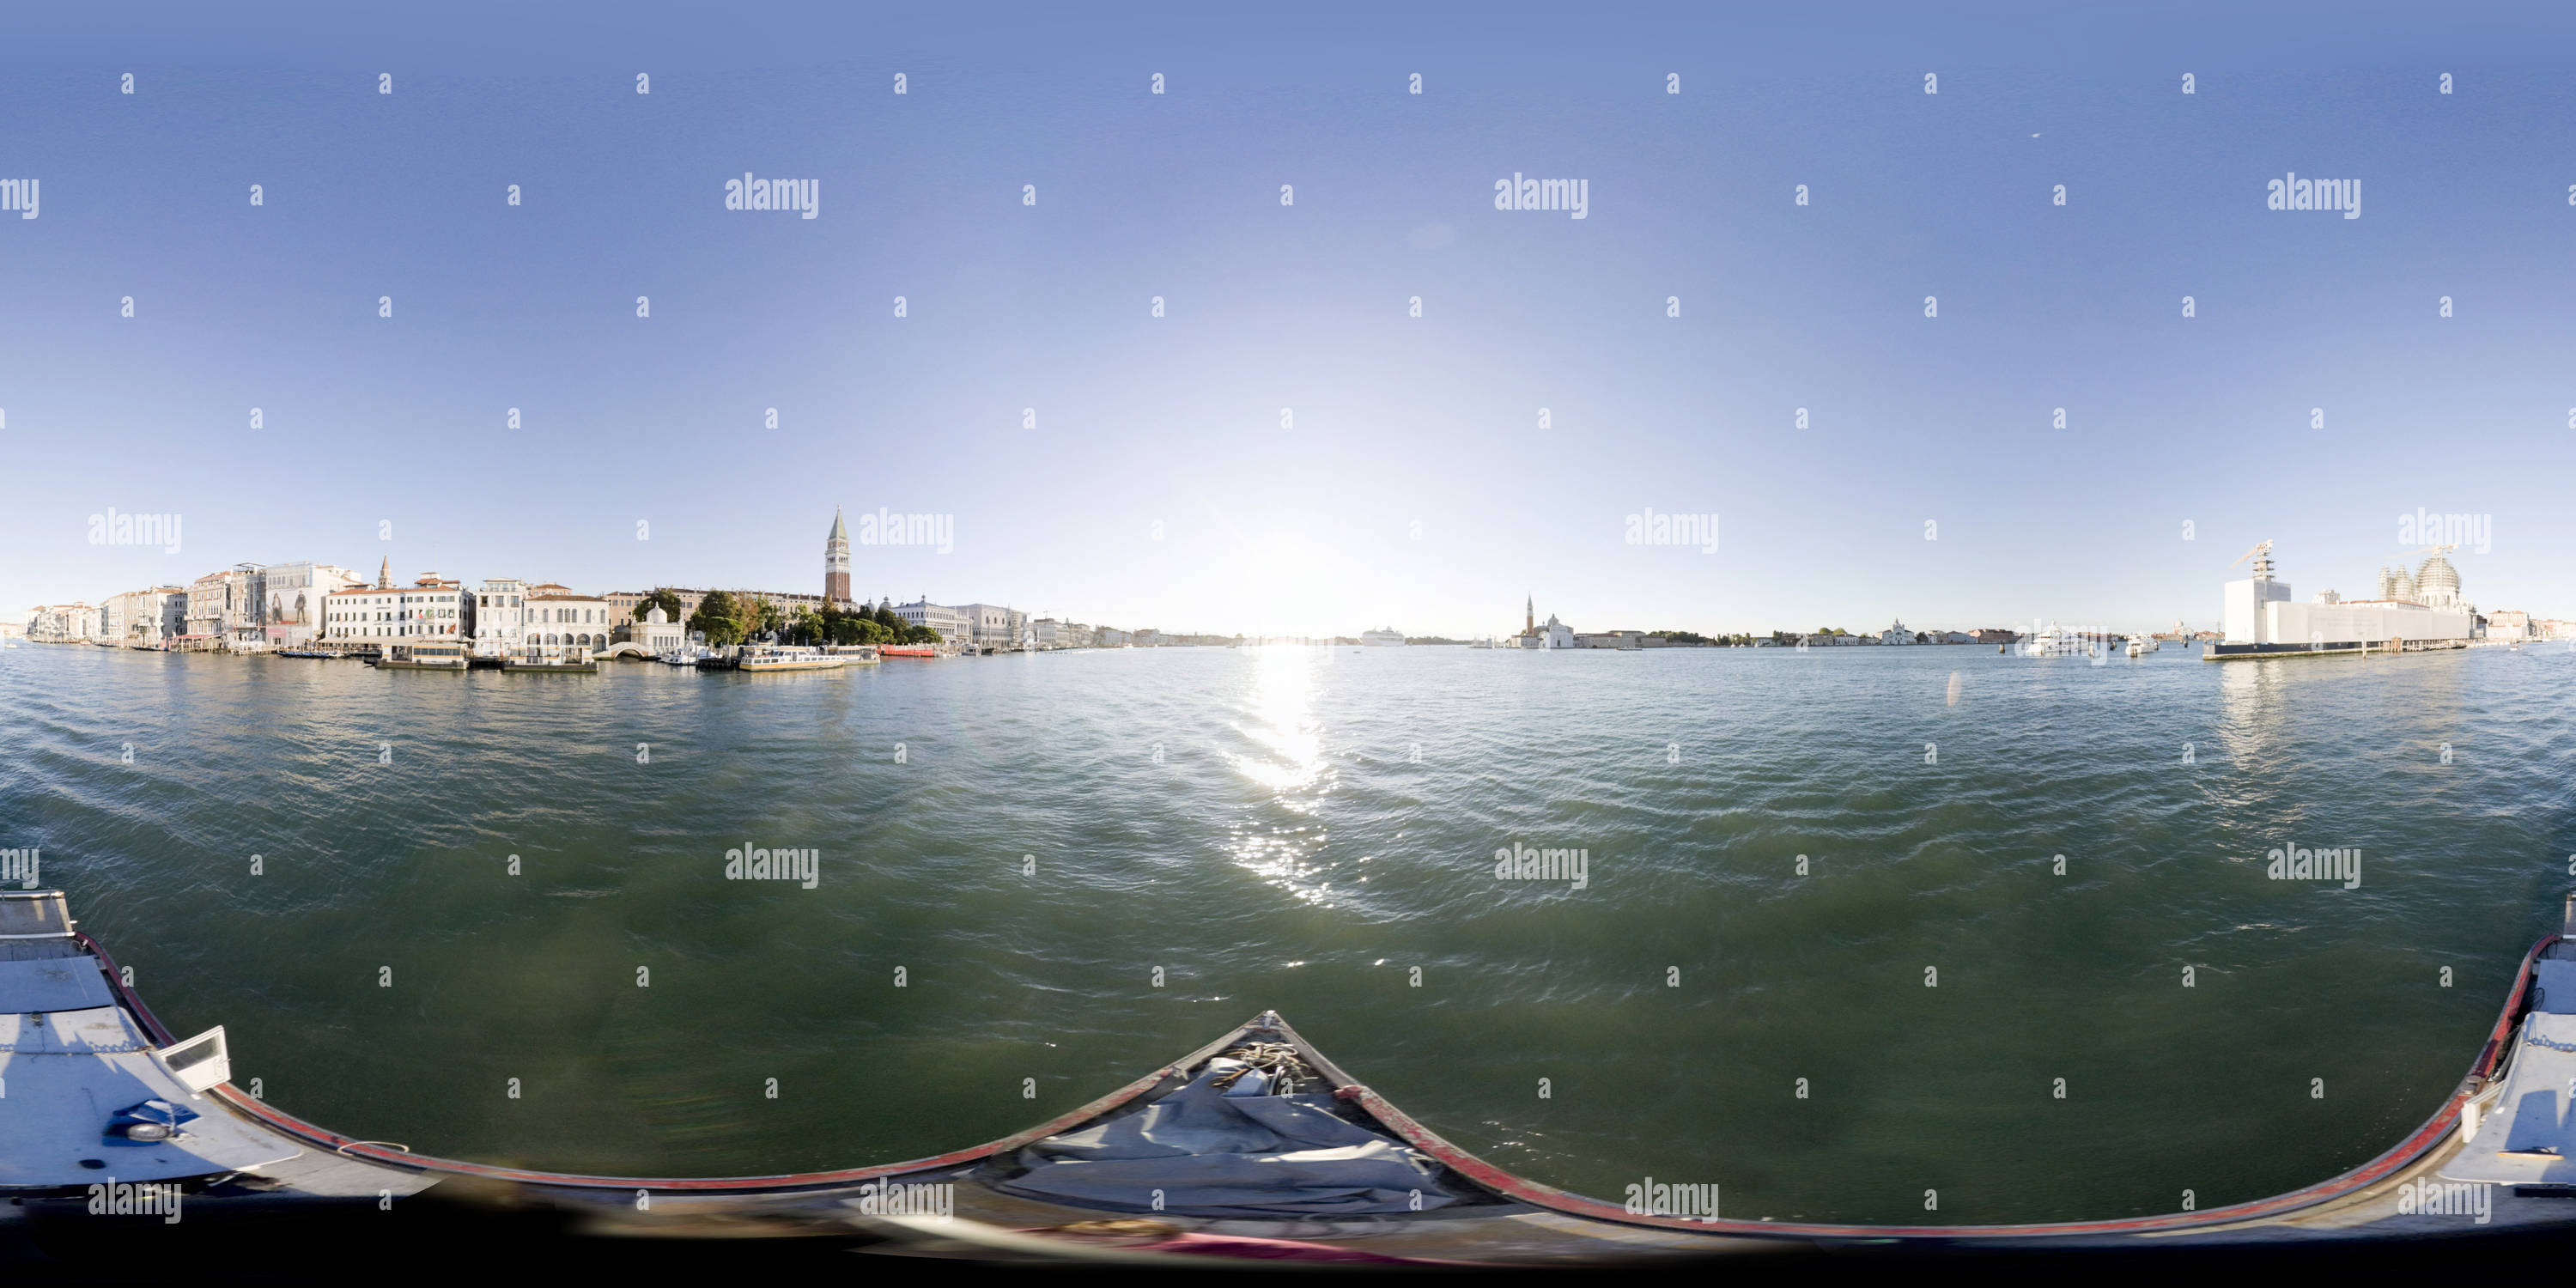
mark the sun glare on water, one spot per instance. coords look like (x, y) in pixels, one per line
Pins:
(1279, 837)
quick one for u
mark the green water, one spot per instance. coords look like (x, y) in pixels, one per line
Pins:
(1317, 825)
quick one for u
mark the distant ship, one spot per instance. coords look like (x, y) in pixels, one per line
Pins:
(1387, 637)
(2059, 642)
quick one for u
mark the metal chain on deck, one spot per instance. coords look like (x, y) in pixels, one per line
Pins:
(2532, 1036)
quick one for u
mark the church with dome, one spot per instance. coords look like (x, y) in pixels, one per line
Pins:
(2412, 610)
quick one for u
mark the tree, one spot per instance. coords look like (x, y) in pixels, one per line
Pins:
(719, 617)
(886, 618)
(806, 627)
(761, 616)
(668, 598)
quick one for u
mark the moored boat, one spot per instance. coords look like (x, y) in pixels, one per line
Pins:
(1256, 1134)
(774, 657)
(422, 657)
(908, 650)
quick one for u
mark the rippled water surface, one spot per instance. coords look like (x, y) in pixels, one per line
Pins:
(1305, 829)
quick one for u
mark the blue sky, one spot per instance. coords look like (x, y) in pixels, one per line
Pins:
(1414, 486)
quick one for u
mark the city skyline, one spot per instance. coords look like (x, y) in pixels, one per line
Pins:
(1856, 400)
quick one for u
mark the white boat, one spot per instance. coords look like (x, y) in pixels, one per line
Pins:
(779, 657)
(1384, 637)
(2140, 646)
(2057, 641)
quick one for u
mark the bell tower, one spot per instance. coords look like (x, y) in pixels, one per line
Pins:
(836, 562)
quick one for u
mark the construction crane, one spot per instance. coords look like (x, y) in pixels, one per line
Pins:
(2260, 548)
(2435, 550)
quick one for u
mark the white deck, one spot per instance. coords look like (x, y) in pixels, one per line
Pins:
(2528, 1134)
(66, 1073)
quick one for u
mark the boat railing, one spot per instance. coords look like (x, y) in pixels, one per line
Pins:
(35, 914)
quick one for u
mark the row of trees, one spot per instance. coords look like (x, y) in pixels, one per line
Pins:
(1694, 637)
(726, 618)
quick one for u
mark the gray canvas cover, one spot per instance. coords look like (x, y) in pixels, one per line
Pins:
(1217, 1155)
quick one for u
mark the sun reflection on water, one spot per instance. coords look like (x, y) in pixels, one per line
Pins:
(1280, 836)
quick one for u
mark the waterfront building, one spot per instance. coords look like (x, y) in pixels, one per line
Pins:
(1111, 637)
(1993, 635)
(244, 606)
(62, 623)
(431, 609)
(1896, 634)
(1620, 640)
(292, 596)
(2508, 624)
(952, 624)
(288, 608)
(1051, 633)
(990, 626)
(112, 612)
(495, 616)
(205, 617)
(2261, 612)
(836, 563)
(1554, 634)
(144, 618)
(564, 627)
(174, 616)
(656, 632)
(624, 603)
